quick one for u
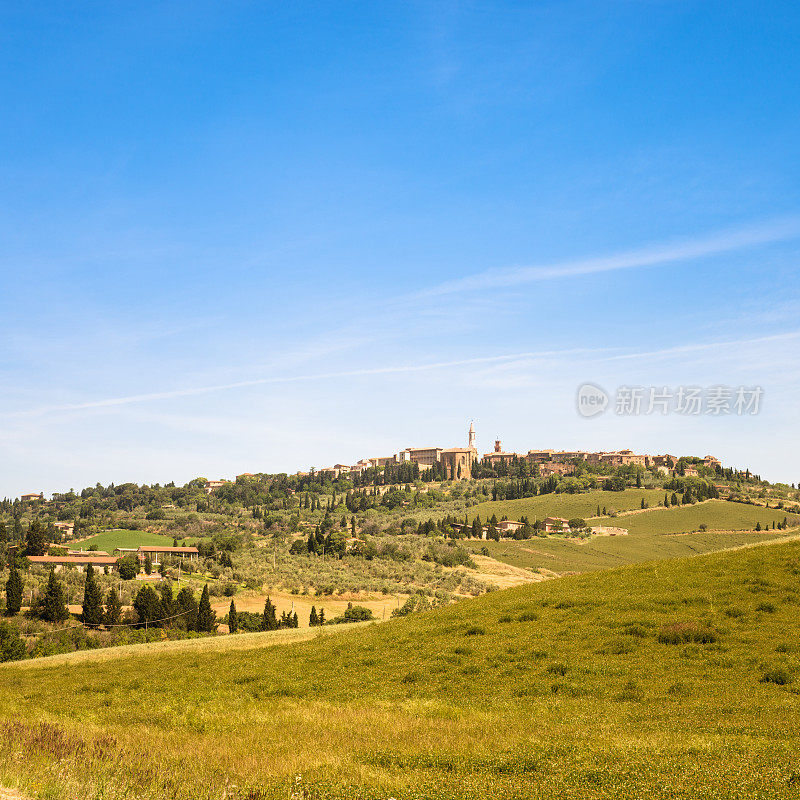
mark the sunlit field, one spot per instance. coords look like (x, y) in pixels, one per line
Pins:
(674, 679)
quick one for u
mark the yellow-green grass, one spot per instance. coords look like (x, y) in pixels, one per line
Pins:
(242, 641)
(652, 534)
(110, 540)
(578, 688)
(569, 555)
(568, 506)
(717, 515)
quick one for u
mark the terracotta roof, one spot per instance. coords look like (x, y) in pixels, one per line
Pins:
(101, 560)
(149, 549)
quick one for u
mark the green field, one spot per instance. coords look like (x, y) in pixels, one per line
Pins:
(558, 505)
(675, 679)
(717, 515)
(651, 536)
(109, 540)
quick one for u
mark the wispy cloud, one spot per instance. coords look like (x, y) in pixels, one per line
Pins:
(713, 244)
(556, 356)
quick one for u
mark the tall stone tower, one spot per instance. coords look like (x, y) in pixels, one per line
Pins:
(471, 440)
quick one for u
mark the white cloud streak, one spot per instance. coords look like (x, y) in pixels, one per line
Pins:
(714, 244)
(597, 355)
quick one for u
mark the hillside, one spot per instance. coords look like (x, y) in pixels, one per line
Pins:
(666, 680)
(657, 533)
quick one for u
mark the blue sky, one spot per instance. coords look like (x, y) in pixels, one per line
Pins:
(265, 236)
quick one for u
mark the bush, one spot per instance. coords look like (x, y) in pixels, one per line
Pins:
(128, 567)
(777, 675)
(685, 632)
(474, 630)
(353, 614)
(12, 648)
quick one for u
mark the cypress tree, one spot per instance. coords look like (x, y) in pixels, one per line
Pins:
(148, 565)
(313, 620)
(186, 606)
(206, 618)
(113, 612)
(295, 621)
(321, 617)
(13, 592)
(54, 607)
(35, 542)
(92, 600)
(167, 604)
(147, 605)
(269, 621)
(233, 619)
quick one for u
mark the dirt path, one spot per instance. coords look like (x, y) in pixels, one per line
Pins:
(240, 641)
(10, 794)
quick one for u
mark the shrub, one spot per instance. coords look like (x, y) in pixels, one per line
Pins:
(528, 616)
(768, 608)
(685, 632)
(12, 648)
(557, 669)
(474, 630)
(777, 675)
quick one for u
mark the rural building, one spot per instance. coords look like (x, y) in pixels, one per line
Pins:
(77, 561)
(31, 497)
(509, 526)
(158, 553)
(556, 525)
(66, 528)
(210, 486)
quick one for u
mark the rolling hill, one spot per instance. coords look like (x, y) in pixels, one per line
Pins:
(673, 679)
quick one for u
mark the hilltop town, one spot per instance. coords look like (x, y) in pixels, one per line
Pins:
(457, 463)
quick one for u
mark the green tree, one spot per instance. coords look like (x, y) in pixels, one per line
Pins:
(128, 567)
(313, 619)
(186, 606)
(54, 606)
(147, 605)
(35, 540)
(233, 619)
(206, 617)
(148, 565)
(12, 648)
(321, 617)
(92, 600)
(269, 620)
(167, 604)
(13, 592)
(113, 612)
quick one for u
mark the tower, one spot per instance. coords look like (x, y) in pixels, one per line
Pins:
(471, 440)
(497, 446)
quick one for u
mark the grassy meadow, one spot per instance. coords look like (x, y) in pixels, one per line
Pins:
(556, 505)
(656, 533)
(716, 515)
(110, 540)
(673, 679)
